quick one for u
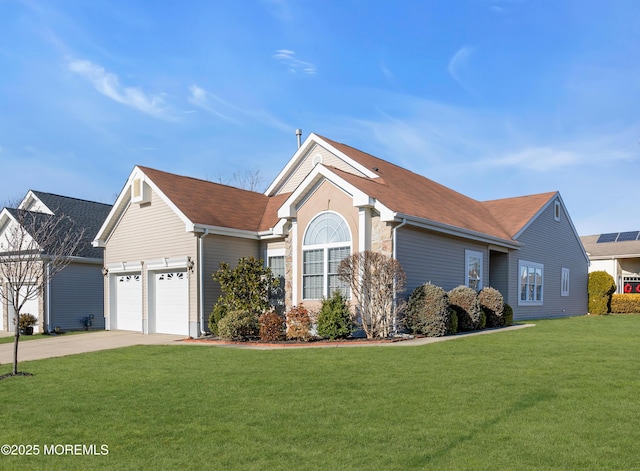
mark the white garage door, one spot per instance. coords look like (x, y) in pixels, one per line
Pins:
(128, 315)
(172, 303)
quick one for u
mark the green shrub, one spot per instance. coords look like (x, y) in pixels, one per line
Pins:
(507, 317)
(334, 319)
(492, 303)
(272, 327)
(601, 287)
(464, 301)
(27, 320)
(246, 287)
(238, 325)
(625, 303)
(298, 323)
(219, 311)
(428, 311)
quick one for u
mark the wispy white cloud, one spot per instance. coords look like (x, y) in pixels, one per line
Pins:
(202, 99)
(215, 105)
(293, 64)
(109, 85)
(458, 65)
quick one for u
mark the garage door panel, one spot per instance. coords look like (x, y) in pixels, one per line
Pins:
(128, 313)
(172, 303)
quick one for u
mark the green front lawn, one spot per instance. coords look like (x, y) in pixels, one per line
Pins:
(561, 395)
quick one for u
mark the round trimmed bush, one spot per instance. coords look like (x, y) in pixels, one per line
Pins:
(334, 319)
(428, 311)
(238, 325)
(492, 303)
(600, 288)
(464, 301)
(272, 327)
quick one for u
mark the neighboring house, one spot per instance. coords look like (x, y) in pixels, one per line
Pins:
(166, 235)
(76, 292)
(617, 253)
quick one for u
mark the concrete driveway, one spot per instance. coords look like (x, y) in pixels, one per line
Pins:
(61, 345)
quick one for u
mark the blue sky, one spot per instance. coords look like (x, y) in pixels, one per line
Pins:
(493, 98)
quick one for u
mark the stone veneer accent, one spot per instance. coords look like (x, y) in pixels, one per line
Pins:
(381, 236)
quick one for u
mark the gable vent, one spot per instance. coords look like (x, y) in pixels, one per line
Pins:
(139, 191)
(317, 159)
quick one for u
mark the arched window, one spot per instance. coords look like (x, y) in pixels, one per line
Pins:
(326, 242)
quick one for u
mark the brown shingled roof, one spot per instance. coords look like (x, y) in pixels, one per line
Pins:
(515, 213)
(399, 189)
(213, 204)
(411, 194)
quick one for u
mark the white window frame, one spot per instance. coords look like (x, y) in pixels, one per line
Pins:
(565, 282)
(468, 256)
(325, 247)
(531, 300)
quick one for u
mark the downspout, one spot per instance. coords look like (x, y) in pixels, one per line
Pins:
(201, 279)
(48, 299)
(394, 255)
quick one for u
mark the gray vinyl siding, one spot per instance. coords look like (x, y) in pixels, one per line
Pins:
(306, 165)
(499, 272)
(555, 245)
(77, 292)
(222, 249)
(428, 257)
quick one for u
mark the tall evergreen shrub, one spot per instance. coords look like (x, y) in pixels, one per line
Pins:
(600, 289)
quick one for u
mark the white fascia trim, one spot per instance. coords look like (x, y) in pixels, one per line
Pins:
(302, 152)
(117, 210)
(124, 267)
(294, 161)
(164, 197)
(458, 232)
(224, 231)
(166, 263)
(280, 229)
(31, 195)
(357, 165)
(122, 202)
(614, 257)
(320, 172)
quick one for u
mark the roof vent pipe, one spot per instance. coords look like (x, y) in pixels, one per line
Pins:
(299, 134)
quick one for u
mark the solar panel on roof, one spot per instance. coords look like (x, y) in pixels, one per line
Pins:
(625, 236)
(611, 237)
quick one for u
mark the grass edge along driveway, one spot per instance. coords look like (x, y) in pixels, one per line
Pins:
(558, 396)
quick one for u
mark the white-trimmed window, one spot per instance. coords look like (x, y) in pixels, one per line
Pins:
(530, 283)
(473, 269)
(327, 241)
(564, 287)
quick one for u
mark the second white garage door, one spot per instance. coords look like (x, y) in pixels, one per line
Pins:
(129, 302)
(172, 303)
